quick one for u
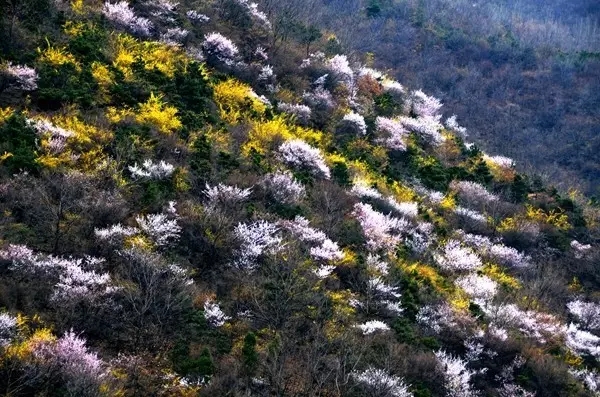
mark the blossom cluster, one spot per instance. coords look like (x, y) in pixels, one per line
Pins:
(453, 125)
(255, 13)
(507, 256)
(217, 46)
(391, 133)
(302, 113)
(283, 187)
(355, 122)
(582, 342)
(534, 324)
(456, 375)
(587, 313)
(382, 231)
(501, 161)
(74, 278)
(25, 77)
(590, 378)
(57, 136)
(174, 36)
(380, 383)
(473, 193)
(437, 317)
(214, 315)
(326, 250)
(373, 326)
(580, 249)
(340, 68)
(319, 98)
(69, 358)
(300, 155)
(478, 287)
(455, 257)
(8, 328)
(197, 17)
(361, 188)
(121, 14)
(424, 105)
(426, 126)
(161, 228)
(224, 196)
(256, 239)
(151, 170)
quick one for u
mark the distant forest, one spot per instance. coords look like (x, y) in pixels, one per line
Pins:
(522, 76)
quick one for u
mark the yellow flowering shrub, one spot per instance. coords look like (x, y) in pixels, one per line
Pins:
(557, 219)
(498, 274)
(57, 57)
(237, 101)
(267, 135)
(156, 113)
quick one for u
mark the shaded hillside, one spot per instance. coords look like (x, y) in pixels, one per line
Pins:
(528, 71)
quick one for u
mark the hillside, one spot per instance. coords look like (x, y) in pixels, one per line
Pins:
(526, 70)
(211, 198)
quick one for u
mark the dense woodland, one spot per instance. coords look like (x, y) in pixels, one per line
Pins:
(223, 198)
(522, 76)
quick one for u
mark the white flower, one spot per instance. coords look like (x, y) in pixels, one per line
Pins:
(383, 290)
(456, 374)
(121, 14)
(324, 271)
(174, 36)
(407, 209)
(470, 214)
(159, 228)
(25, 77)
(427, 126)
(214, 315)
(300, 155)
(375, 264)
(437, 317)
(319, 98)
(152, 170)
(340, 68)
(580, 249)
(266, 73)
(473, 192)
(301, 112)
(501, 161)
(222, 195)
(357, 122)
(283, 187)
(8, 328)
(424, 105)
(256, 239)
(301, 228)
(197, 17)
(361, 188)
(381, 384)
(220, 47)
(590, 378)
(382, 231)
(373, 326)
(328, 250)
(115, 232)
(582, 342)
(588, 313)
(453, 125)
(456, 258)
(391, 133)
(478, 287)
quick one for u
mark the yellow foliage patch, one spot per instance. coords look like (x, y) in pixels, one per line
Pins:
(557, 219)
(5, 113)
(57, 57)
(156, 113)
(498, 274)
(237, 101)
(155, 55)
(266, 136)
(448, 202)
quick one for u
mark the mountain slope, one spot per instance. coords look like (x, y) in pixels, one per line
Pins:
(195, 206)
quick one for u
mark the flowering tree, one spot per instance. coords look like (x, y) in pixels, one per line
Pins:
(456, 375)
(391, 133)
(300, 112)
(454, 257)
(224, 196)
(219, 48)
(151, 170)
(373, 326)
(24, 77)
(256, 239)
(587, 313)
(378, 383)
(8, 328)
(382, 231)
(161, 228)
(121, 14)
(353, 123)
(300, 155)
(283, 187)
(214, 315)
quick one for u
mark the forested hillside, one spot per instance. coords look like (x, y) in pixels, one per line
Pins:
(211, 198)
(527, 70)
